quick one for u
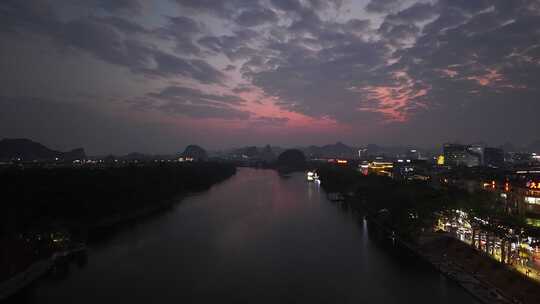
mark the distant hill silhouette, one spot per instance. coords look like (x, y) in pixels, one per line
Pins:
(267, 154)
(195, 152)
(291, 159)
(337, 150)
(27, 150)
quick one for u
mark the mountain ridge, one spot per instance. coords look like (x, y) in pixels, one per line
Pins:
(26, 149)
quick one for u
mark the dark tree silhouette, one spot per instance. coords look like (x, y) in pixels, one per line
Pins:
(291, 160)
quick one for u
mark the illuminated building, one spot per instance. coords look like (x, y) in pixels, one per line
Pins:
(462, 155)
(521, 197)
(472, 156)
(440, 160)
(527, 198)
(407, 169)
(185, 159)
(454, 154)
(381, 168)
(338, 161)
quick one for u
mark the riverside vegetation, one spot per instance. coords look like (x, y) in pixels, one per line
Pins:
(46, 209)
(413, 209)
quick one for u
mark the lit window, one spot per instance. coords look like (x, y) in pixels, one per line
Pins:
(532, 200)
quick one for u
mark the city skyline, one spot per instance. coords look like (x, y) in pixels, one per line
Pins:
(125, 76)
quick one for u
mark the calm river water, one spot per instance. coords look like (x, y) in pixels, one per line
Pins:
(255, 238)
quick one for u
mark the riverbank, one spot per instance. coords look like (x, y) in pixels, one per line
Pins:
(36, 270)
(120, 195)
(124, 217)
(429, 250)
(441, 258)
(486, 279)
(407, 210)
(43, 197)
(475, 270)
(21, 280)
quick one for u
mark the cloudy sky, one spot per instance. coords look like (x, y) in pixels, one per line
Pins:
(153, 76)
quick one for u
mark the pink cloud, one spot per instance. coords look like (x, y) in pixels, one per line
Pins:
(394, 101)
(494, 79)
(262, 105)
(448, 72)
(490, 78)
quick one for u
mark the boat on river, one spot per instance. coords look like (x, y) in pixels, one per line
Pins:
(312, 176)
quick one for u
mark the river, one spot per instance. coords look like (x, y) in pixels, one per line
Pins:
(255, 238)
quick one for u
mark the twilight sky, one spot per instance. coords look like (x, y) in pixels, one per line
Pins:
(116, 76)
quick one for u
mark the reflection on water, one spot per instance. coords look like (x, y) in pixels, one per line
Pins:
(255, 238)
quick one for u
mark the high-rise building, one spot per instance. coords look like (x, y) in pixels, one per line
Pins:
(462, 155)
(454, 154)
(477, 152)
(413, 154)
(493, 157)
(518, 158)
(362, 153)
